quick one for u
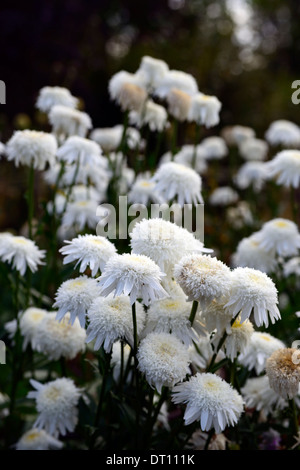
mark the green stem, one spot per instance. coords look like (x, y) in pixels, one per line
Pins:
(193, 312)
(197, 138)
(30, 200)
(174, 138)
(220, 344)
(135, 347)
(294, 417)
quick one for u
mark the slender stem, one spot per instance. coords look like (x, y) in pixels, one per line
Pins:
(193, 312)
(135, 346)
(174, 138)
(220, 344)
(30, 200)
(294, 417)
(197, 135)
(72, 184)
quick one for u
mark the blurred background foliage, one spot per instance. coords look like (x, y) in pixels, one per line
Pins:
(243, 51)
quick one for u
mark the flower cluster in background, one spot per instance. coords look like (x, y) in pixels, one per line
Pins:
(152, 338)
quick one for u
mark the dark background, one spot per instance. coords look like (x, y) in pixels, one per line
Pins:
(79, 44)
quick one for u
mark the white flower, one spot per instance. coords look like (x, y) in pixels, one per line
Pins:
(175, 79)
(128, 90)
(253, 149)
(32, 148)
(285, 166)
(133, 275)
(21, 252)
(179, 103)
(143, 191)
(240, 215)
(83, 213)
(283, 132)
(283, 371)
(249, 254)
(237, 134)
(252, 173)
(281, 235)
(172, 316)
(215, 148)
(37, 439)
(91, 251)
(67, 121)
(96, 174)
(191, 154)
(59, 339)
(204, 110)
(175, 180)
(152, 70)
(75, 296)
(29, 322)
(216, 317)
(110, 320)
(238, 338)
(203, 278)
(78, 149)
(164, 242)
(253, 291)
(258, 394)
(56, 403)
(210, 400)
(292, 266)
(223, 196)
(153, 115)
(163, 359)
(119, 358)
(109, 138)
(261, 346)
(51, 95)
(201, 353)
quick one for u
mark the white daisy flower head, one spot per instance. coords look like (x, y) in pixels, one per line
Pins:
(215, 148)
(235, 135)
(281, 235)
(152, 70)
(30, 147)
(79, 149)
(81, 192)
(223, 196)
(83, 213)
(96, 174)
(128, 90)
(179, 103)
(171, 315)
(240, 215)
(110, 320)
(205, 110)
(56, 403)
(249, 254)
(216, 318)
(258, 394)
(292, 266)
(67, 121)
(283, 132)
(21, 253)
(252, 173)
(108, 138)
(75, 296)
(51, 95)
(163, 359)
(38, 439)
(283, 371)
(260, 347)
(253, 291)
(285, 167)
(238, 338)
(174, 180)
(132, 274)
(253, 149)
(91, 251)
(143, 191)
(192, 156)
(57, 339)
(153, 115)
(175, 79)
(164, 242)
(203, 278)
(210, 400)
(29, 322)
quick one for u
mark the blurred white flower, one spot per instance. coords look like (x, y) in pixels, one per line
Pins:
(223, 196)
(281, 235)
(260, 347)
(179, 103)
(153, 115)
(215, 148)
(21, 252)
(51, 95)
(238, 338)
(32, 148)
(83, 213)
(258, 394)
(38, 439)
(190, 155)
(249, 254)
(204, 110)
(29, 322)
(78, 149)
(252, 174)
(175, 79)
(285, 167)
(143, 191)
(128, 90)
(109, 138)
(235, 135)
(253, 149)
(292, 266)
(283, 132)
(152, 70)
(67, 122)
